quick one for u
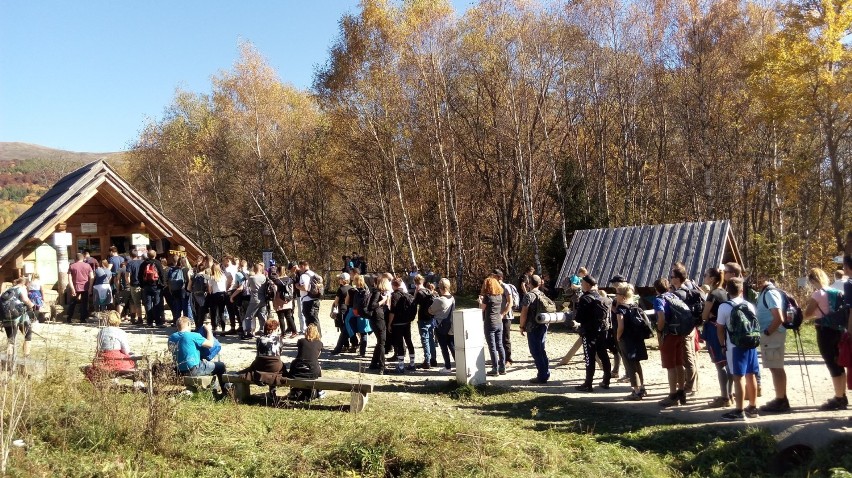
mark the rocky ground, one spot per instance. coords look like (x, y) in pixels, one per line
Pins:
(75, 345)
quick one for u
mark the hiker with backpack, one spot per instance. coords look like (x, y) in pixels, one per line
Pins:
(493, 308)
(402, 312)
(152, 278)
(771, 313)
(441, 311)
(716, 297)
(533, 303)
(14, 305)
(132, 279)
(632, 328)
(283, 301)
(593, 315)
(102, 288)
(256, 312)
(423, 297)
(671, 313)
(178, 275)
(824, 301)
(378, 311)
(311, 289)
(357, 320)
(339, 313)
(512, 301)
(738, 328)
(691, 296)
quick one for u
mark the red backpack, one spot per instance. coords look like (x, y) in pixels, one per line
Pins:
(150, 273)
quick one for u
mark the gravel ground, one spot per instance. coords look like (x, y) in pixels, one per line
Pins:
(75, 345)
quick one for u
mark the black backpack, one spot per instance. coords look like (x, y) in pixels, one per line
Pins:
(12, 306)
(406, 306)
(361, 303)
(789, 305)
(601, 311)
(638, 323)
(199, 284)
(692, 298)
(680, 320)
(284, 289)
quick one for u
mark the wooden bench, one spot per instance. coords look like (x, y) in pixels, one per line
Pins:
(359, 391)
(201, 382)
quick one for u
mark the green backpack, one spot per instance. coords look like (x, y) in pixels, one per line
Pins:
(743, 327)
(11, 306)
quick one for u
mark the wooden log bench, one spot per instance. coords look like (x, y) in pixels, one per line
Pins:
(359, 390)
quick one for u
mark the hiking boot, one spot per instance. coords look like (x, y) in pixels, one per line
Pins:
(433, 363)
(835, 403)
(537, 380)
(634, 396)
(681, 397)
(493, 372)
(584, 388)
(426, 365)
(642, 392)
(779, 405)
(604, 385)
(720, 402)
(411, 367)
(669, 401)
(734, 415)
(751, 412)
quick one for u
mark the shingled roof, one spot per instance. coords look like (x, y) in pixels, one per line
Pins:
(643, 254)
(73, 191)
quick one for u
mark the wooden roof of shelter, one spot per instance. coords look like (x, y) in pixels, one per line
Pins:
(643, 254)
(71, 192)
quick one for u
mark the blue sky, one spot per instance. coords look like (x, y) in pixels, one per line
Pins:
(85, 75)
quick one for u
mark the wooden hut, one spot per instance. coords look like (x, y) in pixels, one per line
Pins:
(643, 254)
(91, 208)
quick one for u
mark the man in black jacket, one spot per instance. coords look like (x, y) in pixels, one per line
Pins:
(152, 279)
(593, 309)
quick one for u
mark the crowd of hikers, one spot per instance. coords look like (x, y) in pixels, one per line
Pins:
(742, 326)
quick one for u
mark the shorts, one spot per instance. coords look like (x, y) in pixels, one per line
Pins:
(772, 349)
(12, 331)
(672, 351)
(135, 295)
(122, 297)
(743, 361)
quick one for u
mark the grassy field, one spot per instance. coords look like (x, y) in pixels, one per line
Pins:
(73, 429)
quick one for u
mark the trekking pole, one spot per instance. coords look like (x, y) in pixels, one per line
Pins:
(800, 358)
(807, 370)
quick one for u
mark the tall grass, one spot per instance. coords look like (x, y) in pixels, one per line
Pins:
(75, 429)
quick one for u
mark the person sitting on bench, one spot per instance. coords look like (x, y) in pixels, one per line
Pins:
(113, 357)
(186, 345)
(267, 367)
(306, 364)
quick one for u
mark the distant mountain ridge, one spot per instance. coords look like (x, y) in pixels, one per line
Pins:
(12, 151)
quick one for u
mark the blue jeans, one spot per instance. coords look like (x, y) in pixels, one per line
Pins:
(536, 338)
(205, 367)
(494, 339)
(180, 304)
(153, 299)
(427, 339)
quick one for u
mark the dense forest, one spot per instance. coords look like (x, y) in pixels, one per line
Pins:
(465, 142)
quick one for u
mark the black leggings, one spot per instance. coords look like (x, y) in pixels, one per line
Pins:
(828, 341)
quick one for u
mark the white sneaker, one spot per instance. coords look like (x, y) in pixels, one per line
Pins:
(138, 385)
(447, 371)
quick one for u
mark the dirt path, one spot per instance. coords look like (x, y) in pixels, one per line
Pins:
(75, 344)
